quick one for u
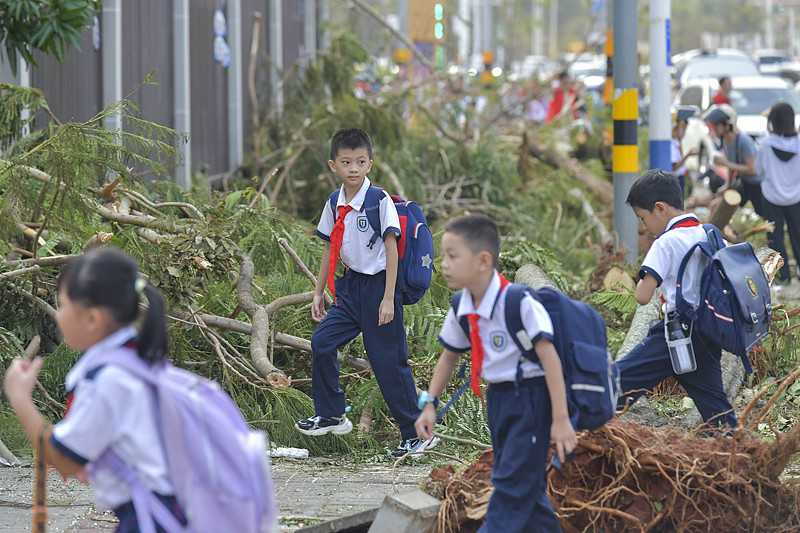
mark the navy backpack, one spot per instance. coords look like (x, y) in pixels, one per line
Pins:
(414, 247)
(579, 336)
(735, 304)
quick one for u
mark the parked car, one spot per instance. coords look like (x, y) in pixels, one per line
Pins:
(713, 64)
(750, 96)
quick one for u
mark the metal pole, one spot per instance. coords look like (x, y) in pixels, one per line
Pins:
(112, 59)
(625, 153)
(477, 43)
(768, 35)
(324, 18)
(660, 119)
(235, 93)
(276, 50)
(792, 42)
(461, 28)
(182, 92)
(553, 48)
(488, 27)
(310, 29)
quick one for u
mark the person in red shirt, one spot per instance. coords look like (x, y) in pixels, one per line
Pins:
(563, 94)
(723, 96)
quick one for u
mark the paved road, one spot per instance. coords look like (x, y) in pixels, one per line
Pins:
(309, 491)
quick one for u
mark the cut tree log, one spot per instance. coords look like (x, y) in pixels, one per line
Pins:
(726, 208)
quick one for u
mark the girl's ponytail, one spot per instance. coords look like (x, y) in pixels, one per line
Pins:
(109, 278)
(152, 344)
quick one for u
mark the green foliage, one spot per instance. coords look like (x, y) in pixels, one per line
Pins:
(620, 299)
(13, 435)
(10, 346)
(48, 25)
(14, 101)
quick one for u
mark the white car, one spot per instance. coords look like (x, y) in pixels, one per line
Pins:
(713, 64)
(751, 96)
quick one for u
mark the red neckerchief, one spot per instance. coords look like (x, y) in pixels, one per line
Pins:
(337, 233)
(477, 347)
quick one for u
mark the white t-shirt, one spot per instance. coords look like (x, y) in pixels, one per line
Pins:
(500, 352)
(676, 156)
(111, 409)
(356, 253)
(664, 259)
(781, 185)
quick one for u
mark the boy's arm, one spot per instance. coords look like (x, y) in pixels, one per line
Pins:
(441, 375)
(19, 381)
(318, 303)
(645, 289)
(562, 432)
(386, 310)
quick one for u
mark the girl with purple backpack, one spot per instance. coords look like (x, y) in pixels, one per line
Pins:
(98, 302)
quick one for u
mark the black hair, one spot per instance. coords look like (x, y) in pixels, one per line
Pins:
(723, 79)
(655, 186)
(781, 120)
(106, 277)
(479, 233)
(350, 138)
(563, 75)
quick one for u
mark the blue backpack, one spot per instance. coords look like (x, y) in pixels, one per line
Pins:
(414, 247)
(735, 303)
(579, 336)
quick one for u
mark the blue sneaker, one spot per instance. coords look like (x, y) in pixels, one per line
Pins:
(414, 445)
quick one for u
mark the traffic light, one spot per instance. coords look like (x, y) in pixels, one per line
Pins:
(426, 21)
(438, 17)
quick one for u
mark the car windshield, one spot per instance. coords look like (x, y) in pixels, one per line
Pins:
(581, 71)
(755, 101)
(714, 67)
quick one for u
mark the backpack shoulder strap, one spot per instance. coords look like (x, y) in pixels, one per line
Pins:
(372, 208)
(463, 321)
(515, 292)
(708, 247)
(334, 199)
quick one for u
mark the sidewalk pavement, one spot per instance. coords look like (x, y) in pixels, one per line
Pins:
(308, 490)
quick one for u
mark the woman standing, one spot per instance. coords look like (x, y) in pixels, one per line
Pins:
(778, 161)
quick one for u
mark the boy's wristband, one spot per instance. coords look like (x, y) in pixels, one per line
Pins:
(427, 397)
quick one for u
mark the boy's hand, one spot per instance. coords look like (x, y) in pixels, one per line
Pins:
(563, 435)
(318, 307)
(21, 378)
(425, 422)
(386, 311)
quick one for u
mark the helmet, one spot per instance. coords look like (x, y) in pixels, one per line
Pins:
(721, 114)
(682, 113)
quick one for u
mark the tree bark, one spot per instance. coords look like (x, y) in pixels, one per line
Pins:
(725, 210)
(599, 187)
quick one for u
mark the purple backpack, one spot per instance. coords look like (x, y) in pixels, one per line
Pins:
(216, 462)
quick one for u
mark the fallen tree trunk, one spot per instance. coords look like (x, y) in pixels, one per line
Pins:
(726, 208)
(599, 187)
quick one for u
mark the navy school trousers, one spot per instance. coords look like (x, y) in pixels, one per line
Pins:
(519, 421)
(358, 298)
(648, 364)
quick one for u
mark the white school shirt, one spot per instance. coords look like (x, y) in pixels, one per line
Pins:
(664, 259)
(113, 409)
(781, 185)
(676, 156)
(500, 352)
(356, 253)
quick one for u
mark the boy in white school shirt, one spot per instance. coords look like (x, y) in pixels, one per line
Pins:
(657, 200)
(522, 417)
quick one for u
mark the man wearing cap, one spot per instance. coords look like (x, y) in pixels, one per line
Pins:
(738, 155)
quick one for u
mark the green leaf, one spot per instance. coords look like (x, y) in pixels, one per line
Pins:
(658, 506)
(687, 403)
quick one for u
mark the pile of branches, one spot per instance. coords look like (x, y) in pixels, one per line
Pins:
(632, 478)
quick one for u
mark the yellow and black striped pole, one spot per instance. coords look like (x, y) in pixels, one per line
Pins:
(625, 111)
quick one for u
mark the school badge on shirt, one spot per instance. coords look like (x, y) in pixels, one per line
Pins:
(362, 223)
(498, 340)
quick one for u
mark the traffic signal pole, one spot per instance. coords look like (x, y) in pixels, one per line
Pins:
(660, 118)
(625, 111)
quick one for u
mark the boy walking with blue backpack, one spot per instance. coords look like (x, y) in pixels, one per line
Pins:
(526, 400)
(657, 200)
(366, 300)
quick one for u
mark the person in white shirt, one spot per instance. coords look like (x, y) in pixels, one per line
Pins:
(98, 302)
(657, 201)
(778, 160)
(522, 415)
(680, 118)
